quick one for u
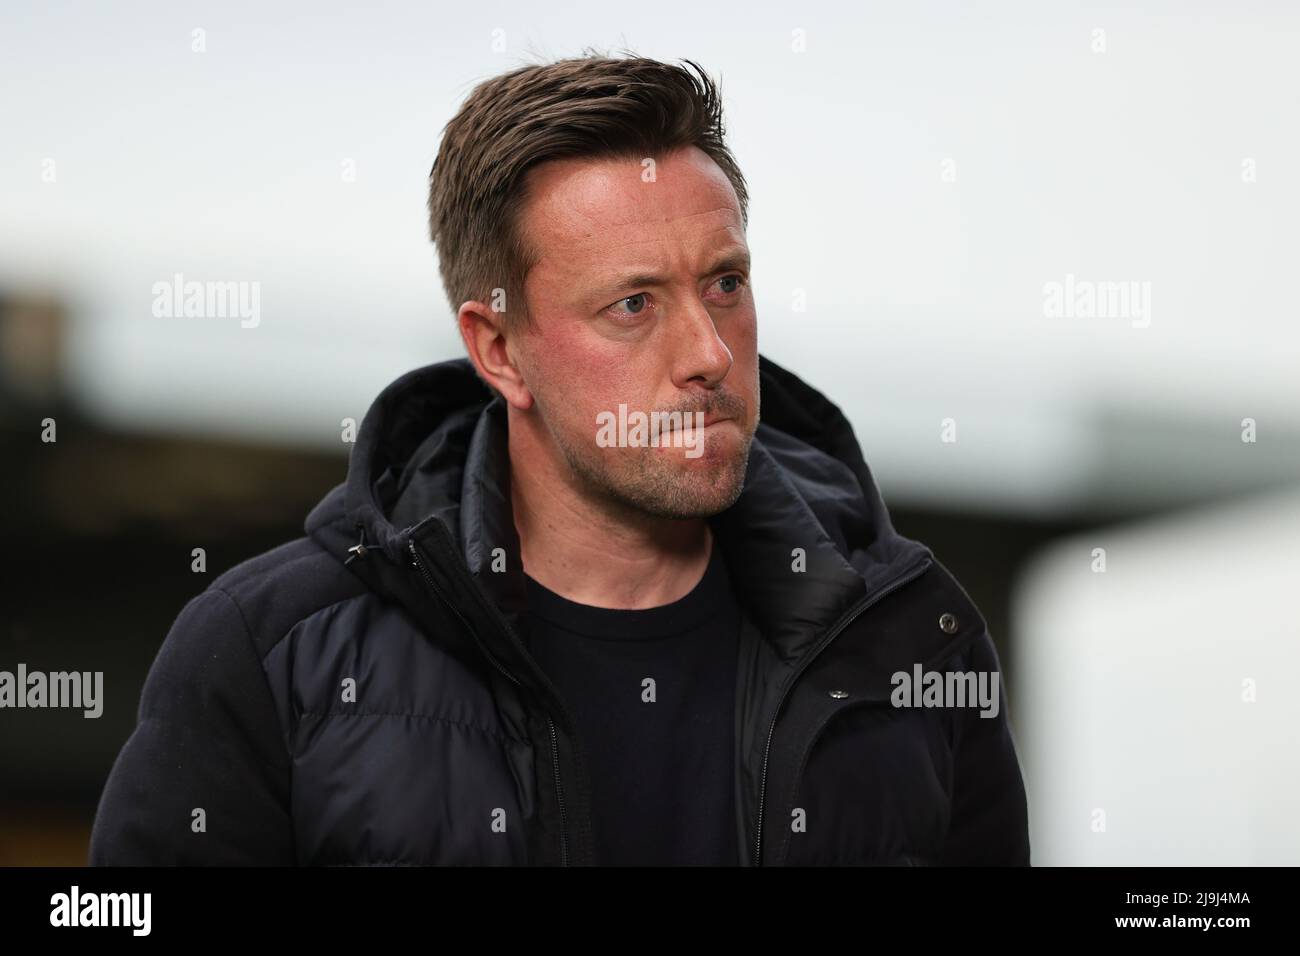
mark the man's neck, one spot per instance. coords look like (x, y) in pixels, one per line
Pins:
(591, 555)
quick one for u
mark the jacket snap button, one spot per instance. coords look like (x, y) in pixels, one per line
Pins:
(947, 623)
(839, 694)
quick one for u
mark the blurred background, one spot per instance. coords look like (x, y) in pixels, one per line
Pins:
(1043, 256)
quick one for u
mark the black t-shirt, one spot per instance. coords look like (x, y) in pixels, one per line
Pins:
(660, 754)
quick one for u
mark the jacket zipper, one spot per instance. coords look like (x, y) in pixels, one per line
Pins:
(848, 618)
(555, 749)
(559, 795)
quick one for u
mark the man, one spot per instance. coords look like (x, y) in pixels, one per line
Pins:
(574, 604)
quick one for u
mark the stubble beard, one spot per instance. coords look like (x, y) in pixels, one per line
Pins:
(657, 482)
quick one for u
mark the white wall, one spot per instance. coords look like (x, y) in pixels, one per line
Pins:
(1131, 691)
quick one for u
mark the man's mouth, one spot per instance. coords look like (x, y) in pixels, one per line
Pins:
(689, 420)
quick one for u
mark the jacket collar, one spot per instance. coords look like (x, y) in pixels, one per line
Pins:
(430, 465)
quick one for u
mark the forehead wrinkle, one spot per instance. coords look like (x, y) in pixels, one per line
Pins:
(569, 245)
(564, 252)
(635, 199)
(590, 237)
(569, 262)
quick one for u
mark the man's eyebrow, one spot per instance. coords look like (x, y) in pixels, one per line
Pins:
(734, 260)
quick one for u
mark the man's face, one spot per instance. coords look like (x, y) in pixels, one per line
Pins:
(641, 298)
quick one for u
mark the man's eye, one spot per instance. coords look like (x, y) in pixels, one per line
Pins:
(738, 280)
(635, 303)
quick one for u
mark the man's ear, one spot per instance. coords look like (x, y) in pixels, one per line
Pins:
(487, 341)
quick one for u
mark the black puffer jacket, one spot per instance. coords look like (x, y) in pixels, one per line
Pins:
(361, 695)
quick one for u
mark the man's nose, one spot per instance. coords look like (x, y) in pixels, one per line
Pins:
(703, 357)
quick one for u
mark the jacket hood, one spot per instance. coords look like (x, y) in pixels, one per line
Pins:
(430, 466)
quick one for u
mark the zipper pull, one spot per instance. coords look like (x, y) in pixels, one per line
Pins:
(359, 549)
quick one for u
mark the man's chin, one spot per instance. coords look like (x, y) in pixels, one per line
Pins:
(697, 489)
(681, 481)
